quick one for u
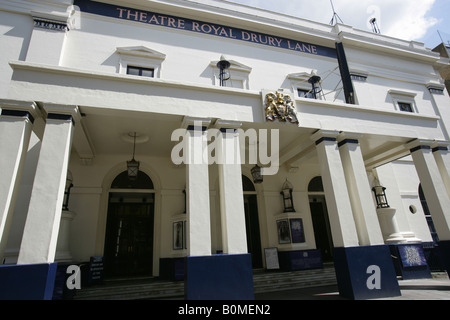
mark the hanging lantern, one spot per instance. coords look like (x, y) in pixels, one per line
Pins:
(380, 196)
(256, 174)
(286, 193)
(133, 165)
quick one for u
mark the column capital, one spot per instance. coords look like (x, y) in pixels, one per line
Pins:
(324, 135)
(349, 136)
(18, 108)
(418, 144)
(68, 112)
(441, 145)
(190, 123)
(227, 124)
(227, 127)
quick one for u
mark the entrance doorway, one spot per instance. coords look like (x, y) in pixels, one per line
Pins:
(252, 223)
(129, 227)
(320, 220)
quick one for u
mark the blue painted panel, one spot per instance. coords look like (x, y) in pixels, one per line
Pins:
(300, 260)
(358, 267)
(27, 282)
(219, 277)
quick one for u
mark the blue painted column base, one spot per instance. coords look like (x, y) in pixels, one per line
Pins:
(27, 282)
(365, 272)
(219, 277)
(444, 253)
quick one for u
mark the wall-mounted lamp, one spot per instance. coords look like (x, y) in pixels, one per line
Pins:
(224, 74)
(256, 174)
(316, 88)
(286, 193)
(380, 196)
(69, 186)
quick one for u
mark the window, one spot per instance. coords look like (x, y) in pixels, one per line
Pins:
(403, 100)
(303, 93)
(139, 71)
(404, 106)
(238, 75)
(140, 61)
(300, 83)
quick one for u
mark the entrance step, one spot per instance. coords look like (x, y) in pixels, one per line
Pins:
(132, 289)
(280, 281)
(154, 288)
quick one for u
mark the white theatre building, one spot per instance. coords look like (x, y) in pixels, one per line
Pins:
(348, 129)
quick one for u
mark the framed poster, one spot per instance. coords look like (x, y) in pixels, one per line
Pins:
(178, 235)
(412, 256)
(271, 255)
(284, 235)
(297, 231)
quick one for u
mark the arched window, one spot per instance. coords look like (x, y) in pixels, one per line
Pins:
(247, 184)
(142, 181)
(315, 185)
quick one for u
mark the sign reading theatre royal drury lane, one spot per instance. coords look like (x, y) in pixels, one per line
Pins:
(201, 27)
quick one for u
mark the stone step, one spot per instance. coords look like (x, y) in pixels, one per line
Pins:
(153, 288)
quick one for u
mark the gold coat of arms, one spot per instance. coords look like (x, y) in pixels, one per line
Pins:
(280, 106)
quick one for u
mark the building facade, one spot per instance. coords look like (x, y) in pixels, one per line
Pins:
(348, 130)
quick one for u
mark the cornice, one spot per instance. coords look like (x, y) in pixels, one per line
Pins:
(27, 6)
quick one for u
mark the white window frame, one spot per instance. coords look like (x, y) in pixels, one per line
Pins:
(238, 72)
(142, 57)
(300, 81)
(403, 97)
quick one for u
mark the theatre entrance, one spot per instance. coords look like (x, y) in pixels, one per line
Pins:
(252, 223)
(129, 228)
(320, 220)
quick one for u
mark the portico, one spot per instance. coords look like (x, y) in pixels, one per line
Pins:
(196, 210)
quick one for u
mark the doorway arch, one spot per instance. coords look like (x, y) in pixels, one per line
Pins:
(320, 220)
(128, 248)
(252, 222)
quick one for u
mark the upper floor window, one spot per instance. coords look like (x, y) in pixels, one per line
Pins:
(139, 71)
(140, 61)
(237, 74)
(403, 100)
(307, 84)
(304, 93)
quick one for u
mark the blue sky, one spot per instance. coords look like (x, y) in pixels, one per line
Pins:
(440, 10)
(417, 20)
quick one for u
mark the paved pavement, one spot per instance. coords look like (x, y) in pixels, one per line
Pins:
(422, 289)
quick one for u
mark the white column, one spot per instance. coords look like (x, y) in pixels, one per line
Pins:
(433, 186)
(41, 230)
(197, 189)
(234, 234)
(364, 213)
(16, 123)
(336, 193)
(442, 158)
